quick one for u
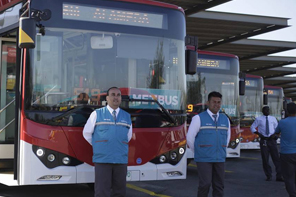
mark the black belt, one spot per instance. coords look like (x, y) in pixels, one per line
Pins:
(267, 138)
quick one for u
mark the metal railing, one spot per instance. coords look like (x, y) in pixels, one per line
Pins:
(4, 108)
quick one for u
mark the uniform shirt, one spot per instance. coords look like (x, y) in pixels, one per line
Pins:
(260, 123)
(91, 122)
(194, 129)
(287, 128)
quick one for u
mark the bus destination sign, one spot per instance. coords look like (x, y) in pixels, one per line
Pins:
(113, 16)
(212, 63)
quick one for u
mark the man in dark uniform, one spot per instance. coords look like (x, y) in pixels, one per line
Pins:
(266, 125)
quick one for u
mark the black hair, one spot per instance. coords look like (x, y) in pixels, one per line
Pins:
(82, 98)
(214, 94)
(112, 88)
(291, 107)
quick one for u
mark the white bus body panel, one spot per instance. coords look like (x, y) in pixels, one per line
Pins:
(250, 145)
(230, 153)
(31, 169)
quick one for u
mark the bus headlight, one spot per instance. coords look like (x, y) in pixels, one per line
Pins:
(40, 152)
(162, 158)
(66, 160)
(51, 157)
(237, 140)
(173, 155)
(181, 151)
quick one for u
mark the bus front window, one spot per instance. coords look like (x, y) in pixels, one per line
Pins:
(66, 63)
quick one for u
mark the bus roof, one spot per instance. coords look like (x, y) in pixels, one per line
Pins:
(150, 2)
(272, 87)
(253, 76)
(5, 4)
(216, 53)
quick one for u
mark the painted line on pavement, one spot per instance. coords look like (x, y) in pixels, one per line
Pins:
(151, 193)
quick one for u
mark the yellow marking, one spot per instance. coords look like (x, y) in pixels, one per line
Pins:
(151, 193)
(24, 38)
(192, 165)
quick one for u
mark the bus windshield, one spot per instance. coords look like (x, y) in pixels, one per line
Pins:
(214, 73)
(77, 61)
(251, 103)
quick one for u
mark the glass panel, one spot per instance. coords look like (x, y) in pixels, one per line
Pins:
(8, 77)
(68, 62)
(223, 79)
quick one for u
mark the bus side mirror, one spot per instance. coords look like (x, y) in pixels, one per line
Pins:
(265, 97)
(27, 32)
(242, 83)
(190, 61)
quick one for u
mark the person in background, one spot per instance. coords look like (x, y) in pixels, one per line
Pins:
(287, 129)
(266, 125)
(109, 130)
(208, 136)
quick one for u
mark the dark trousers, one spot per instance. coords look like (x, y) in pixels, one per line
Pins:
(110, 179)
(211, 173)
(269, 147)
(288, 164)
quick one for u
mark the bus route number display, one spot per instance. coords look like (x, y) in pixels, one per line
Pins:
(213, 64)
(113, 16)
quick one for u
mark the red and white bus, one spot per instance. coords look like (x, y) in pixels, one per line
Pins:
(275, 97)
(216, 72)
(250, 108)
(86, 47)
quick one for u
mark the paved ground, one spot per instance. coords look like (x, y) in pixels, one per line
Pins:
(244, 178)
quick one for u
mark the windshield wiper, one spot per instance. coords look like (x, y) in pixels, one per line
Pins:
(163, 110)
(67, 113)
(230, 120)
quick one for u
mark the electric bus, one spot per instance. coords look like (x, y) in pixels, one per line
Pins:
(216, 72)
(54, 50)
(250, 108)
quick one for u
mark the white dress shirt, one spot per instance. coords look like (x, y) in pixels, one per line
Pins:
(91, 123)
(260, 123)
(194, 129)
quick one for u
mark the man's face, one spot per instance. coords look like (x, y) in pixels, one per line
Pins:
(114, 98)
(265, 111)
(214, 104)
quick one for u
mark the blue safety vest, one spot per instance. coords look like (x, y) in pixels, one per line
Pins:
(211, 140)
(110, 139)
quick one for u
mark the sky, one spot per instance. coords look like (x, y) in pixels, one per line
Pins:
(274, 8)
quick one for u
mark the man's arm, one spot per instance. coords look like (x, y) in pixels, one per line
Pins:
(228, 132)
(89, 127)
(254, 126)
(192, 131)
(130, 133)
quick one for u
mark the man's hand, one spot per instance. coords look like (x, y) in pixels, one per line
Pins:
(274, 136)
(260, 135)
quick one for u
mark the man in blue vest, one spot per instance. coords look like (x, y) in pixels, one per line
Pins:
(208, 136)
(109, 130)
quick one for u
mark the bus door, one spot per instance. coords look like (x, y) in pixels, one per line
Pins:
(7, 101)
